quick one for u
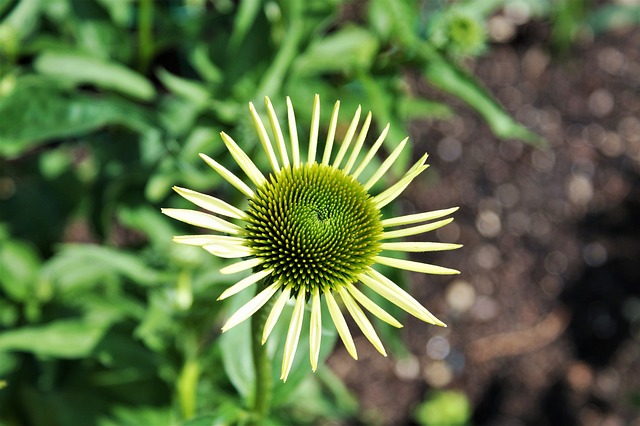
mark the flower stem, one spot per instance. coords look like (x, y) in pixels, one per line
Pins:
(261, 362)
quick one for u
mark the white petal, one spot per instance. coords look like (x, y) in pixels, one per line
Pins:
(202, 220)
(362, 320)
(347, 138)
(396, 295)
(277, 132)
(326, 157)
(410, 265)
(293, 335)
(228, 176)
(419, 217)
(251, 307)
(391, 193)
(210, 203)
(419, 247)
(359, 142)
(340, 323)
(313, 134)
(204, 240)
(264, 138)
(275, 313)
(415, 230)
(228, 251)
(244, 283)
(243, 160)
(372, 151)
(372, 307)
(315, 332)
(241, 266)
(293, 134)
(386, 164)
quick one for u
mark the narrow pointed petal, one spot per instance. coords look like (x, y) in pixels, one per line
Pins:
(326, 157)
(264, 138)
(396, 295)
(372, 307)
(419, 247)
(396, 189)
(272, 319)
(415, 230)
(210, 203)
(347, 138)
(277, 132)
(243, 160)
(315, 125)
(205, 240)
(202, 220)
(244, 283)
(372, 152)
(359, 142)
(410, 265)
(241, 266)
(340, 323)
(293, 336)
(315, 332)
(418, 217)
(251, 307)
(228, 251)
(362, 320)
(386, 164)
(293, 134)
(228, 176)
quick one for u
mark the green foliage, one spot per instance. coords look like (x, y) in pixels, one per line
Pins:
(104, 106)
(444, 408)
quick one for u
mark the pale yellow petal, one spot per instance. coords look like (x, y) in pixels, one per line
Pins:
(210, 203)
(415, 230)
(396, 295)
(340, 323)
(202, 220)
(419, 246)
(315, 125)
(386, 164)
(264, 138)
(293, 335)
(361, 319)
(241, 266)
(372, 152)
(243, 160)
(277, 132)
(372, 307)
(333, 123)
(293, 134)
(228, 251)
(315, 332)
(410, 265)
(204, 240)
(418, 217)
(347, 138)
(244, 283)
(228, 176)
(272, 319)
(251, 307)
(359, 142)
(396, 189)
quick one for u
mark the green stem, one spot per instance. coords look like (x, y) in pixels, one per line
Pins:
(261, 362)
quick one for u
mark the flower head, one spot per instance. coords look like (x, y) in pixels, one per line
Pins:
(312, 231)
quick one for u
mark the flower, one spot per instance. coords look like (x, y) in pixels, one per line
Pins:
(312, 231)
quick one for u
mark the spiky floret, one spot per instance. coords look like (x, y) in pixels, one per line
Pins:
(313, 231)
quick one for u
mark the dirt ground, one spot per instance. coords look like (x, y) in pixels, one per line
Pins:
(544, 321)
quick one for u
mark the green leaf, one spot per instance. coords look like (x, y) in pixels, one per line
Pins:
(19, 266)
(83, 69)
(191, 90)
(36, 111)
(73, 338)
(348, 49)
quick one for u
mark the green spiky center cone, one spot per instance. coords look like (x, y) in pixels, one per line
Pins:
(313, 225)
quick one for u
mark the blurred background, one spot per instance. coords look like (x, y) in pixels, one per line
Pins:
(529, 110)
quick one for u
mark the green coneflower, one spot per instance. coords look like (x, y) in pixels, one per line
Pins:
(313, 232)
